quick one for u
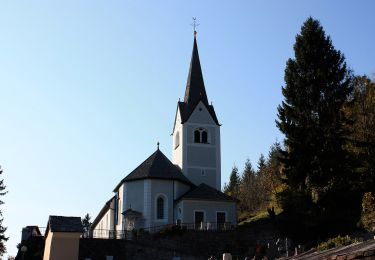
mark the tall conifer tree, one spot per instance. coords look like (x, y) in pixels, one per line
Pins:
(3, 238)
(317, 84)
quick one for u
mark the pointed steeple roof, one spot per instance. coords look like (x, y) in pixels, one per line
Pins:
(195, 90)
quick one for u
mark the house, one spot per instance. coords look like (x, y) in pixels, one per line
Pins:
(185, 190)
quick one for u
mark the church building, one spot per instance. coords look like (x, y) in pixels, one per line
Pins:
(184, 191)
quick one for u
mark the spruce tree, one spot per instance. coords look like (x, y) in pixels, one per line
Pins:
(247, 188)
(86, 223)
(232, 188)
(316, 165)
(261, 162)
(3, 238)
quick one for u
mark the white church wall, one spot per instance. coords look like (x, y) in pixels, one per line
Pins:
(120, 205)
(177, 147)
(147, 202)
(104, 225)
(134, 196)
(210, 208)
(201, 155)
(180, 188)
(199, 175)
(161, 187)
(218, 158)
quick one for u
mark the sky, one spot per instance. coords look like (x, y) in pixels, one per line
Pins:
(88, 87)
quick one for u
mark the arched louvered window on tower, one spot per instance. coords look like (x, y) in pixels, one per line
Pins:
(197, 136)
(201, 136)
(204, 136)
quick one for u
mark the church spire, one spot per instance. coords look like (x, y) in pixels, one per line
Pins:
(195, 89)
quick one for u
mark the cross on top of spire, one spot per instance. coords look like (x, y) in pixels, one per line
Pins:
(195, 25)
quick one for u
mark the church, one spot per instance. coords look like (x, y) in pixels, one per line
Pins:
(185, 190)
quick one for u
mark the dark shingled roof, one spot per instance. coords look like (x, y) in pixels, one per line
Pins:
(205, 192)
(157, 166)
(64, 224)
(195, 86)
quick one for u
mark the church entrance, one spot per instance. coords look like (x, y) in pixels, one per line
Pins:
(198, 219)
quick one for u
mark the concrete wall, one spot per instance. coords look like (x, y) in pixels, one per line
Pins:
(61, 246)
(209, 208)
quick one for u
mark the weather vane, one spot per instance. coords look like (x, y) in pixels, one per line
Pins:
(195, 24)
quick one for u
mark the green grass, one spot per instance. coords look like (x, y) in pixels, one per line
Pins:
(262, 215)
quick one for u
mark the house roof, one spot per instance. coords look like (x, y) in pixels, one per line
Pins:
(205, 192)
(64, 224)
(102, 212)
(157, 166)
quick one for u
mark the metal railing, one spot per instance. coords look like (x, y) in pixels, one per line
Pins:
(128, 234)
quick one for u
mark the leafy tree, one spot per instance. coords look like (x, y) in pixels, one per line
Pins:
(232, 188)
(3, 238)
(361, 109)
(368, 212)
(315, 163)
(86, 223)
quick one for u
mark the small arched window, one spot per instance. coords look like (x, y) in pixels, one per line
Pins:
(177, 140)
(204, 136)
(160, 208)
(201, 136)
(197, 136)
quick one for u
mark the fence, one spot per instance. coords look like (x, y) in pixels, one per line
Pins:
(128, 234)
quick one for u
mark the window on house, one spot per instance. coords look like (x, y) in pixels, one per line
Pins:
(201, 136)
(160, 208)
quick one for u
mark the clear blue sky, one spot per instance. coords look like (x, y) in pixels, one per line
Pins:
(87, 88)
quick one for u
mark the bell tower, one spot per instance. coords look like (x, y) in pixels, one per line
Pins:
(196, 131)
